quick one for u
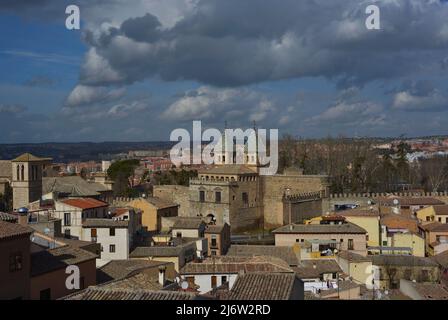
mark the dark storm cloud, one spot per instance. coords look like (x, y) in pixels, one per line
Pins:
(241, 42)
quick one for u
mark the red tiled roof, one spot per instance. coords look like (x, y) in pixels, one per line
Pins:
(441, 210)
(395, 221)
(410, 201)
(85, 203)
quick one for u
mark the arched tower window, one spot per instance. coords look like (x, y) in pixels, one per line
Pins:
(22, 173)
(18, 173)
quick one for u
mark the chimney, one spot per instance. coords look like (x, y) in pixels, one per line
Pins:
(22, 216)
(162, 270)
(23, 219)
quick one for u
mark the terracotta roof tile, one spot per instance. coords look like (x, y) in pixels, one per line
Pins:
(231, 264)
(98, 293)
(85, 203)
(256, 286)
(9, 230)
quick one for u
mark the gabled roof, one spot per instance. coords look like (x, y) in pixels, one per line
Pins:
(348, 227)
(410, 201)
(441, 210)
(430, 291)
(397, 221)
(188, 223)
(119, 269)
(28, 157)
(58, 258)
(316, 268)
(160, 203)
(231, 264)
(402, 260)
(72, 186)
(435, 227)
(358, 212)
(85, 203)
(259, 286)
(442, 259)
(285, 253)
(98, 293)
(9, 230)
(353, 257)
(8, 217)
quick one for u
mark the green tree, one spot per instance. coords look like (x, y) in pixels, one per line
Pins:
(122, 173)
(6, 199)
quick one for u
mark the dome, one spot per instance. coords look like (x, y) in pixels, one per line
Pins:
(23, 210)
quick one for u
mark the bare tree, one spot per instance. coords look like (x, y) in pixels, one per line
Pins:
(434, 172)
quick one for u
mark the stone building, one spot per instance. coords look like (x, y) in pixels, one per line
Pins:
(27, 172)
(240, 196)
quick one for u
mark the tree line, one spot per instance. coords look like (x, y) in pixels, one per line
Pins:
(355, 165)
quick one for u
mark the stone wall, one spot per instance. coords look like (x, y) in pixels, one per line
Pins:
(276, 186)
(362, 199)
(176, 194)
(300, 207)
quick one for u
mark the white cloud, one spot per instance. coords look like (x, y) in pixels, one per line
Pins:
(215, 103)
(433, 101)
(83, 95)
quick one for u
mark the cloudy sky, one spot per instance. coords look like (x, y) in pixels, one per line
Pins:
(137, 69)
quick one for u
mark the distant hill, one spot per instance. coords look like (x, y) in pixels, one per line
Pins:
(80, 151)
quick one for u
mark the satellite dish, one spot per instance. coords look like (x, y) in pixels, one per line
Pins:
(184, 285)
(396, 202)
(178, 280)
(47, 230)
(369, 202)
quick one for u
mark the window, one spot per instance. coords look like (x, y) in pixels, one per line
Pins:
(440, 219)
(67, 219)
(223, 279)
(93, 235)
(428, 218)
(202, 196)
(245, 198)
(213, 282)
(112, 248)
(178, 234)
(15, 262)
(67, 233)
(112, 232)
(218, 196)
(213, 252)
(214, 243)
(350, 244)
